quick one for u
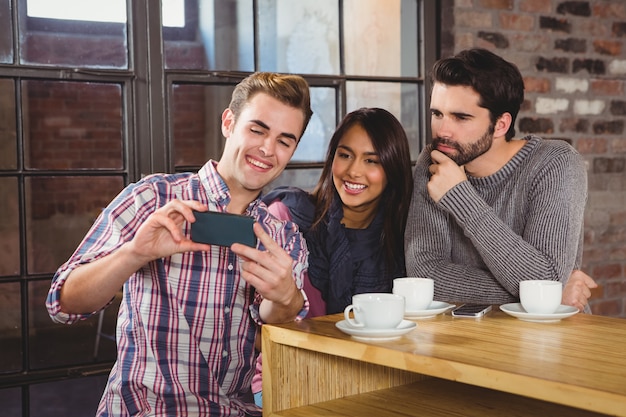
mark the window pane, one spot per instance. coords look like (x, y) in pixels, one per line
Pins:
(312, 146)
(10, 328)
(219, 35)
(88, 10)
(53, 344)
(196, 122)
(6, 33)
(72, 125)
(9, 227)
(381, 37)
(85, 34)
(8, 144)
(11, 400)
(302, 178)
(173, 13)
(299, 36)
(401, 99)
(73, 397)
(62, 206)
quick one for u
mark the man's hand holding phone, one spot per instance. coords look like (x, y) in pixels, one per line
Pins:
(161, 233)
(270, 272)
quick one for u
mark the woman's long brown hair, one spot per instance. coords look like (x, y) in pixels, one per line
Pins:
(390, 142)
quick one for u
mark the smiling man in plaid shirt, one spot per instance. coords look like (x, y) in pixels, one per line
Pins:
(188, 320)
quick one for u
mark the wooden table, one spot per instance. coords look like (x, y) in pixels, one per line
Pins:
(494, 366)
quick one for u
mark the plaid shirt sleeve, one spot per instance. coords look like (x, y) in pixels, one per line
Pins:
(116, 224)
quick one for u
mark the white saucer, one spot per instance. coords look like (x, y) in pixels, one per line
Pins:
(516, 310)
(361, 333)
(436, 307)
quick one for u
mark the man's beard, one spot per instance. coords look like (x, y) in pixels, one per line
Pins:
(469, 152)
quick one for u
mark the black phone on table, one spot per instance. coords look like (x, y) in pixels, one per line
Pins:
(223, 229)
(471, 310)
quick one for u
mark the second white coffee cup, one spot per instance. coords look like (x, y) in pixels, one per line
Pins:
(418, 292)
(540, 296)
(375, 310)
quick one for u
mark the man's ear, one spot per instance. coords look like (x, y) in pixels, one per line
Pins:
(502, 125)
(228, 122)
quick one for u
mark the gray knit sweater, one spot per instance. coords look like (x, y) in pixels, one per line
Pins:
(488, 234)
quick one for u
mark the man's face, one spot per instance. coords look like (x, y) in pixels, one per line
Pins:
(259, 144)
(461, 129)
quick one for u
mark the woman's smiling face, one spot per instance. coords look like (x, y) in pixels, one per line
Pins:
(358, 174)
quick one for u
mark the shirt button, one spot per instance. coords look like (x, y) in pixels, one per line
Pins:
(224, 353)
(226, 310)
(230, 267)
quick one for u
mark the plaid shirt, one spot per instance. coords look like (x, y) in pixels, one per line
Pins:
(186, 325)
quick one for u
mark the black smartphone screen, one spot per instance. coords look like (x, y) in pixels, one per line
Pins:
(223, 229)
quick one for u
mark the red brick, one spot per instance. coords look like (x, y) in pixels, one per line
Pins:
(555, 24)
(605, 47)
(473, 19)
(618, 146)
(592, 146)
(513, 21)
(527, 105)
(464, 40)
(574, 124)
(608, 127)
(576, 8)
(612, 308)
(619, 218)
(497, 4)
(536, 84)
(593, 28)
(607, 271)
(531, 42)
(610, 10)
(535, 6)
(619, 29)
(539, 125)
(618, 254)
(607, 87)
(615, 288)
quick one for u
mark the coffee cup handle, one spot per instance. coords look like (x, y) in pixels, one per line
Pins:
(346, 314)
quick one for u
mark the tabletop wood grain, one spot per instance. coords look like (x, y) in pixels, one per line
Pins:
(579, 361)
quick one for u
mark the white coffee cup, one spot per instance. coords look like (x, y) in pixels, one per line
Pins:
(418, 292)
(540, 296)
(375, 310)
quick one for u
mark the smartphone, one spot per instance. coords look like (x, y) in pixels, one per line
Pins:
(471, 310)
(223, 229)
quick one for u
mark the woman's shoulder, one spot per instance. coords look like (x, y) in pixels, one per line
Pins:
(298, 202)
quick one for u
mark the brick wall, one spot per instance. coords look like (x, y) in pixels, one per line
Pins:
(573, 58)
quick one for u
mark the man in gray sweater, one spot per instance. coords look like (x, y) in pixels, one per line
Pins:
(489, 211)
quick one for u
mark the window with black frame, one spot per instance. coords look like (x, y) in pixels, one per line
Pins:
(73, 132)
(355, 53)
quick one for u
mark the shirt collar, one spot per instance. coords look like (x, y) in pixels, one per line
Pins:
(216, 189)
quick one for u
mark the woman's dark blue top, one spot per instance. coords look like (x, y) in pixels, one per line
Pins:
(342, 261)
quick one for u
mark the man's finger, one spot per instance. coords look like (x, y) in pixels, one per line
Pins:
(270, 245)
(438, 156)
(252, 254)
(590, 282)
